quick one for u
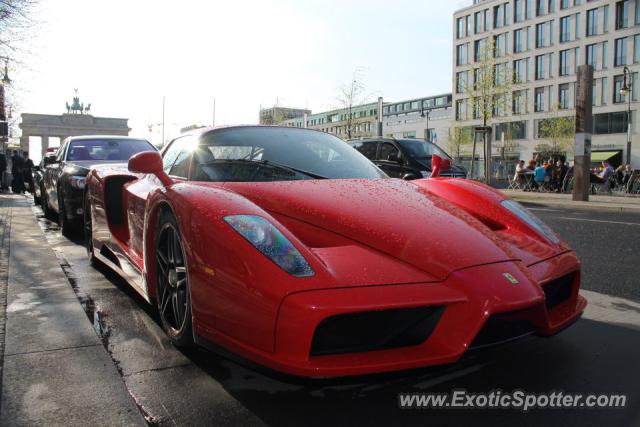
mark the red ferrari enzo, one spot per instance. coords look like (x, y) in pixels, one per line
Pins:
(289, 248)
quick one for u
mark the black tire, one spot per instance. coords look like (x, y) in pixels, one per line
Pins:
(67, 228)
(46, 209)
(88, 233)
(172, 279)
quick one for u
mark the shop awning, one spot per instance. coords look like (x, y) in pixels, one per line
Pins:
(601, 156)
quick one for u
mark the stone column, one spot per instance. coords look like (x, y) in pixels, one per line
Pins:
(45, 144)
(24, 142)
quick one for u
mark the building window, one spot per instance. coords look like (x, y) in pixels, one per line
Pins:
(460, 113)
(539, 100)
(564, 4)
(563, 96)
(461, 82)
(478, 22)
(460, 28)
(636, 47)
(622, 14)
(479, 49)
(518, 10)
(620, 57)
(541, 36)
(518, 71)
(564, 63)
(517, 41)
(591, 55)
(551, 6)
(540, 68)
(610, 123)
(519, 102)
(498, 16)
(618, 82)
(592, 22)
(461, 54)
(540, 9)
(565, 23)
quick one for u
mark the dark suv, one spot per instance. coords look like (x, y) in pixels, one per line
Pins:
(405, 158)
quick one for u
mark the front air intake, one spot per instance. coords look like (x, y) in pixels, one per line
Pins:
(375, 330)
(559, 290)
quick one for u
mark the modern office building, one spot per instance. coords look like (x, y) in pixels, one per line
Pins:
(338, 122)
(427, 117)
(541, 43)
(276, 114)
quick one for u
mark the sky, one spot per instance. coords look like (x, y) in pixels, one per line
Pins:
(124, 56)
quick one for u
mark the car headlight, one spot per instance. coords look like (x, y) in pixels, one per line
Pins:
(271, 242)
(77, 182)
(533, 221)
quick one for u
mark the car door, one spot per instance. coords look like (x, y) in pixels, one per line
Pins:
(176, 163)
(390, 160)
(52, 175)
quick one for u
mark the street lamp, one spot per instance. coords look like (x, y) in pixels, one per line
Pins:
(4, 125)
(423, 114)
(625, 90)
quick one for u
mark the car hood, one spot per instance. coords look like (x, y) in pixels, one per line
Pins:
(90, 164)
(391, 216)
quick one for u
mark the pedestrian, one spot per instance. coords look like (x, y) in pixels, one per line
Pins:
(557, 176)
(626, 174)
(17, 166)
(4, 184)
(27, 172)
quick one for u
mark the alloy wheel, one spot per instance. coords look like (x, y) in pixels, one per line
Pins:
(173, 289)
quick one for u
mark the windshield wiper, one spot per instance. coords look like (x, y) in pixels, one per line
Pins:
(270, 163)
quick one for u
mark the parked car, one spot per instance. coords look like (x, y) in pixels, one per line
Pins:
(408, 158)
(38, 173)
(287, 247)
(63, 180)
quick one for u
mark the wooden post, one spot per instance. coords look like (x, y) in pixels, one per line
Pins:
(584, 127)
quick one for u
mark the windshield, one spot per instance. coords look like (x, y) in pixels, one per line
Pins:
(106, 149)
(277, 154)
(421, 149)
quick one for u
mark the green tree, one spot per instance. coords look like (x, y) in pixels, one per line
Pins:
(459, 136)
(558, 131)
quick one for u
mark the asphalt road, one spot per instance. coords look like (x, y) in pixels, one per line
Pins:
(607, 245)
(200, 388)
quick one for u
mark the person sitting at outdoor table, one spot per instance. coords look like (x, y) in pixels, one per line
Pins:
(602, 177)
(518, 177)
(540, 172)
(557, 176)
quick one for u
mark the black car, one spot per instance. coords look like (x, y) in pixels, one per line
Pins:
(405, 158)
(37, 173)
(63, 180)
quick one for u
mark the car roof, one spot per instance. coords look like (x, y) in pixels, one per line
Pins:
(210, 129)
(85, 137)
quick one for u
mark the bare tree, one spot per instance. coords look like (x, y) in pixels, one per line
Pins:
(490, 92)
(350, 96)
(459, 136)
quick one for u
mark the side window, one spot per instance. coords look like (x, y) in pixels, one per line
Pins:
(367, 148)
(170, 155)
(180, 167)
(61, 150)
(389, 152)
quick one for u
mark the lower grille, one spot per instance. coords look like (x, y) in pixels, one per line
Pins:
(375, 330)
(503, 327)
(559, 290)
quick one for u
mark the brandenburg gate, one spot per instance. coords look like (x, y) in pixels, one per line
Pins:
(75, 122)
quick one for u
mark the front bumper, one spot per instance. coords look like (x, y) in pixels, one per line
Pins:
(469, 298)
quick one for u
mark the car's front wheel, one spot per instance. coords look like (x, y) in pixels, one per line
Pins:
(173, 295)
(46, 208)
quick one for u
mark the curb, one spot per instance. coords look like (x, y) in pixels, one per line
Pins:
(578, 205)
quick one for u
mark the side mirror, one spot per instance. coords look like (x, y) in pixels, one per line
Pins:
(149, 162)
(49, 160)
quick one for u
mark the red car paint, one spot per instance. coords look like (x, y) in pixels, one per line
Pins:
(373, 244)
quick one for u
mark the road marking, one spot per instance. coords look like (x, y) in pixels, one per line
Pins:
(543, 209)
(598, 220)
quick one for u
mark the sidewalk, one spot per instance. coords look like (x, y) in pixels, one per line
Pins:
(55, 370)
(629, 204)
